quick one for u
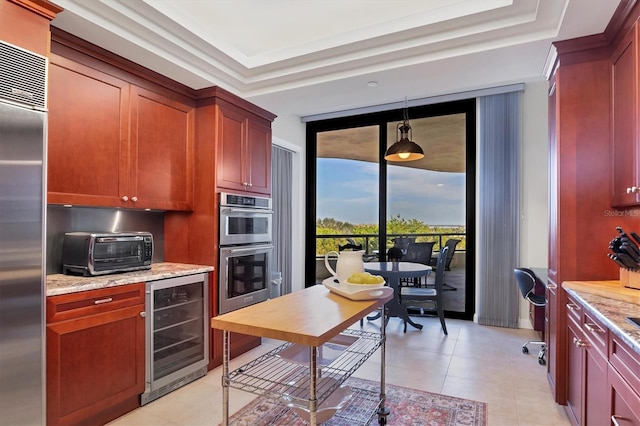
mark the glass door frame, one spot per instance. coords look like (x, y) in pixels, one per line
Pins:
(468, 107)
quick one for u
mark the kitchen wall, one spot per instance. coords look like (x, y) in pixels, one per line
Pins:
(289, 131)
(70, 219)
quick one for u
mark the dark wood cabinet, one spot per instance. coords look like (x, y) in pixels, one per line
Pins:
(116, 144)
(624, 383)
(626, 186)
(243, 151)
(95, 354)
(25, 23)
(161, 152)
(581, 167)
(625, 403)
(587, 366)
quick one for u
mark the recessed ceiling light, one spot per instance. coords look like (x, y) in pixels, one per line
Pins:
(372, 84)
(440, 185)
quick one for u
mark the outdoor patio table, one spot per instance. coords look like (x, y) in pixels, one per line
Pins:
(392, 272)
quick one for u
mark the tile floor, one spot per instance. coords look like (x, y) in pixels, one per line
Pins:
(473, 361)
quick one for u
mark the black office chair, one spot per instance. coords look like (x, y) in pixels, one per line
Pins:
(429, 299)
(526, 280)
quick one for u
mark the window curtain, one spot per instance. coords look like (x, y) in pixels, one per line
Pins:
(281, 198)
(498, 209)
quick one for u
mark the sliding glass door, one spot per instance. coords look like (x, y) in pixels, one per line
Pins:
(355, 196)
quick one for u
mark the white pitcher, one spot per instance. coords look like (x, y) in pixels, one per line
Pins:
(349, 262)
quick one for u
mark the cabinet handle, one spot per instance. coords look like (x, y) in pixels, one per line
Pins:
(552, 286)
(245, 184)
(250, 184)
(134, 199)
(143, 314)
(579, 343)
(614, 421)
(593, 328)
(125, 198)
(101, 301)
(572, 307)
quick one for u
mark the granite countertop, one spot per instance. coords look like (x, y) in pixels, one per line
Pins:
(63, 284)
(613, 313)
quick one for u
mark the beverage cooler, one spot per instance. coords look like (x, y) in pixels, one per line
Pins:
(177, 333)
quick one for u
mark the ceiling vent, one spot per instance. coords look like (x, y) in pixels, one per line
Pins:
(23, 77)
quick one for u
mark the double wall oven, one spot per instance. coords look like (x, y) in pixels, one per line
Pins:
(245, 251)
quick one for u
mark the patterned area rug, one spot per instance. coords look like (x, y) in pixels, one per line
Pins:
(408, 407)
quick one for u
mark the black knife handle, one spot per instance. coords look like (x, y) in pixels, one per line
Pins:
(631, 251)
(627, 260)
(615, 259)
(636, 237)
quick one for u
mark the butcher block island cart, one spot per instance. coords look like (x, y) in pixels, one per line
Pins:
(320, 354)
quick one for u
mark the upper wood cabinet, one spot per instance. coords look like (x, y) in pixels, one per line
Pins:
(244, 150)
(625, 138)
(25, 23)
(115, 144)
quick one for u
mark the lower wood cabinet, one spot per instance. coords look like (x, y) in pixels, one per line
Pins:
(625, 403)
(603, 372)
(95, 354)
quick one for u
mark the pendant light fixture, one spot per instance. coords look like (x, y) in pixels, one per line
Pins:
(404, 149)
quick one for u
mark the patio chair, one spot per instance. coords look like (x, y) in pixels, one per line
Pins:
(427, 299)
(451, 244)
(417, 253)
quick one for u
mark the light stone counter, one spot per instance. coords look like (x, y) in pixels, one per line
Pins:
(613, 313)
(63, 284)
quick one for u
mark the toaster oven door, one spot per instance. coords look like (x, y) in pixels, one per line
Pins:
(120, 254)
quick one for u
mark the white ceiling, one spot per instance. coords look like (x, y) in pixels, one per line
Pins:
(306, 57)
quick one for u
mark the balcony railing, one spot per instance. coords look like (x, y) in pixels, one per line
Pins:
(370, 242)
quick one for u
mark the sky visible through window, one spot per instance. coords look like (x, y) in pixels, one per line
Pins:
(347, 190)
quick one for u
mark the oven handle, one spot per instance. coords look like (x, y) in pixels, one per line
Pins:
(252, 248)
(232, 210)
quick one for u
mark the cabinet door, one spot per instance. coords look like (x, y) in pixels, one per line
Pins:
(162, 149)
(625, 122)
(87, 136)
(625, 403)
(95, 354)
(596, 404)
(230, 164)
(259, 157)
(95, 366)
(575, 381)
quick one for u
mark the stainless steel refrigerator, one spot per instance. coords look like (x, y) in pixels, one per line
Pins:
(22, 231)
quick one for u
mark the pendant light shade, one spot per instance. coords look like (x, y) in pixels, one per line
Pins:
(404, 149)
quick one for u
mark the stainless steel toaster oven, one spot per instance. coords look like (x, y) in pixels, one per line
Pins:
(85, 253)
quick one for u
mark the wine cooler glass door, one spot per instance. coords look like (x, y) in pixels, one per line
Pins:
(178, 332)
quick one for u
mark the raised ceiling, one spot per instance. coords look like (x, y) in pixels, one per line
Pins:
(305, 57)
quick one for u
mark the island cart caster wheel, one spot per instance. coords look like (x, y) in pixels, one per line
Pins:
(382, 416)
(541, 361)
(525, 350)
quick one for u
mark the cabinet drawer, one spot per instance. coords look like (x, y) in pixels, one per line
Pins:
(626, 361)
(596, 333)
(574, 310)
(91, 302)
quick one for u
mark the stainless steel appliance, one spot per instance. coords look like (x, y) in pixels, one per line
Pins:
(244, 219)
(245, 251)
(177, 333)
(87, 253)
(23, 124)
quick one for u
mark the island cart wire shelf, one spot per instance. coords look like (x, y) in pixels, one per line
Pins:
(279, 375)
